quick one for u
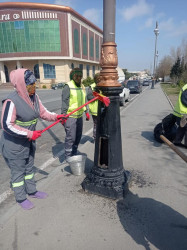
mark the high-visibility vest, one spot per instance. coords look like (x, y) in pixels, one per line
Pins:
(76, 99)
(180, 109)
(93, 106)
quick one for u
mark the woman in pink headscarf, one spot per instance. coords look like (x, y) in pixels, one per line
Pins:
(21, 110)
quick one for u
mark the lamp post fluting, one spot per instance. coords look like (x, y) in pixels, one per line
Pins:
(108, 177)
(156, 31)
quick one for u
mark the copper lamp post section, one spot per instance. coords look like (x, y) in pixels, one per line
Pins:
(109, 62)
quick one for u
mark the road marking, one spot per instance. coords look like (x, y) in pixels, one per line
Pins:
(5, 195)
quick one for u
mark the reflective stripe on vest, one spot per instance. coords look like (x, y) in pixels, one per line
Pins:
(77, 99)
(26, 124)
(180, 109)
(93, 106)
(17, 184)
(28, 177)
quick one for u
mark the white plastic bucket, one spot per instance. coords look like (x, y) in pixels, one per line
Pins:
(77, 164)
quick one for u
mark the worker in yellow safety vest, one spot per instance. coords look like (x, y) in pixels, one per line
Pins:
(73, 96)
(93, 106)
(180, 111)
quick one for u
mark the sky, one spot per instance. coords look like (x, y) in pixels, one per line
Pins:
(135, 24)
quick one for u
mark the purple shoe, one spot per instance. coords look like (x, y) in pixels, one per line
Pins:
(39, 195)
(26, 204)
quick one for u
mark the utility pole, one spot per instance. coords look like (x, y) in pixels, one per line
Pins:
(156, 31)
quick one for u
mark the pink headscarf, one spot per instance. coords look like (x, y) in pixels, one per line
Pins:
(18, 81)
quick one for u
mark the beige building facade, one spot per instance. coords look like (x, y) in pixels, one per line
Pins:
(48, 39)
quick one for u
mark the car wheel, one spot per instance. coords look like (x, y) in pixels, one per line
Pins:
(129, 98)
(122, 101)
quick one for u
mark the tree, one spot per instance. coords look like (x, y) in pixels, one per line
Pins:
(88, 81)
(177, 69)
(164, 67)
(128, 74)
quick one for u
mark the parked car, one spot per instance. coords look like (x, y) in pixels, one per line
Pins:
(59, 85)
(134, 86)
(124, 95)
(145, 83)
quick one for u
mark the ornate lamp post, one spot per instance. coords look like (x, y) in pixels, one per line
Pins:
(108, 177)
(156, 31)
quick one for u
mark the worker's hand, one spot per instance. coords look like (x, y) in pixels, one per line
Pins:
(36, 134)
(87, 116)
(62, 117)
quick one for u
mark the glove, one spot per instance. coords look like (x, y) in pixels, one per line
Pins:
(87, 116)
(36, 134)
(62, 117)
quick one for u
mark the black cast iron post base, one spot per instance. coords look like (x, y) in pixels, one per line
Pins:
(108, 177)
(153, 84)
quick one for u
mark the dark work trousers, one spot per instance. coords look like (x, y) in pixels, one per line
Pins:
(181, 132)
(73, 128)
(94, 117)
(22, 171)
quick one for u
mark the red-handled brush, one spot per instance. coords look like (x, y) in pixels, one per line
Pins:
(98, 96)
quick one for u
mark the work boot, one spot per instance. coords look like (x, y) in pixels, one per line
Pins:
(26, 204)
(183, 121)
(179, 144)
(39, 195)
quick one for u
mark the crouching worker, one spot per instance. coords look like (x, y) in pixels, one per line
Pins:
(180, 111)
(20, 112)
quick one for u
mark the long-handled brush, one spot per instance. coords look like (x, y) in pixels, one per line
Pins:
(98, 96)
(173, 147)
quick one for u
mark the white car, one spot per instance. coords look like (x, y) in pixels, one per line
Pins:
(124, 95)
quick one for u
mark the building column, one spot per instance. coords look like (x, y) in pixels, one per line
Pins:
(41, 70)
(18, 64)
(2, 73)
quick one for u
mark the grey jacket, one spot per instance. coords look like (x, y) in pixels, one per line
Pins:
(14, 146)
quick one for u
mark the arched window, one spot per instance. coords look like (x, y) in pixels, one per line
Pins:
(81, 66)
(6, 73)
(97, 49)
(36, 71)
(91, 47)
(76, 41)
(49, 71)
(84, 43)
(88, 70)
(93, 70)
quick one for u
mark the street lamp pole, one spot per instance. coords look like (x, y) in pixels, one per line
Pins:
(156, 31)
(156, 62)
(108, 177)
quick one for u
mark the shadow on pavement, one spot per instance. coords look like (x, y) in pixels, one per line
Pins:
(149, 135)
(86, 138)
(147, 220)
(40, 171)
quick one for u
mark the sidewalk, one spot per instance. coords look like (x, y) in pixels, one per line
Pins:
(152, 215)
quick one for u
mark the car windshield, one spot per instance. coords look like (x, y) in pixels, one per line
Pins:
(133, 83)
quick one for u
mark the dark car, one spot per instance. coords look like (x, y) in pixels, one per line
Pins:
(134, 86)
(59, 85)
(145, 83)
